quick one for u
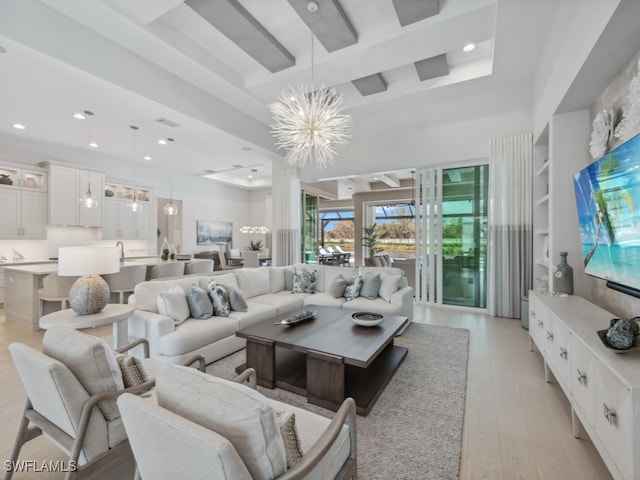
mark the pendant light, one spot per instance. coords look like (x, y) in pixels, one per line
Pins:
(88, 200)
(171, 208)
(135, 205)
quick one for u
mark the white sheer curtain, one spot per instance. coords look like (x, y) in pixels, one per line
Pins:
(510, 223)
(286, 214)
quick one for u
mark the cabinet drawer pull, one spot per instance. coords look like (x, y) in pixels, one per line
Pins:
(582, 378)
(550, 336)
(563, 353)
(609, 414)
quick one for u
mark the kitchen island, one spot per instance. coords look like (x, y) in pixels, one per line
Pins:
(21, 283)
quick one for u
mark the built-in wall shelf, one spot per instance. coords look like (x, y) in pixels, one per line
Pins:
(543, 200)
(544, 169)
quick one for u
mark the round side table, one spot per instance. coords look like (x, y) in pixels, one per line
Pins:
(114, 313)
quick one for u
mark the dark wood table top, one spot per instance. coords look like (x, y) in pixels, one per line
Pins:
(333, 332)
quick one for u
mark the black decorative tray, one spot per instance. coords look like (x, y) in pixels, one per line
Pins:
(603, 336)
(295, 319)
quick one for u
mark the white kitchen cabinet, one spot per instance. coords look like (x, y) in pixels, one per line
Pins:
(24, 203)
(603, 387)
(66, 186)
(119, 221)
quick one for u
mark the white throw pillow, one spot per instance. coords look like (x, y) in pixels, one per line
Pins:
(388, 285)
(173, 303)
(235, 411)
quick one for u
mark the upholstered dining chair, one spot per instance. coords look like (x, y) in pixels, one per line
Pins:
(198, 266)
(201, 426)
(72, 386)
(125, 281)
(163, 270)
(223, 262)
(55, 289)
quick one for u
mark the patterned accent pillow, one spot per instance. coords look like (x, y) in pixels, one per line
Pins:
(354, 284)
(304, 282)
(219, 299)
(289, 432)
(133, 371)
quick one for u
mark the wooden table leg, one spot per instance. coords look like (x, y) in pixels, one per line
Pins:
(325, 380)
(261, 355)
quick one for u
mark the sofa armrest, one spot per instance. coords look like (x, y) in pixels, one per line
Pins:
(152, 326)
(404, 297)
(346, 415)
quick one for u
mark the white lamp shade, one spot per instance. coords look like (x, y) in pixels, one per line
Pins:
(77, 261)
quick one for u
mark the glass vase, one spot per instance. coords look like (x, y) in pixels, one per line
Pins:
(563, 276)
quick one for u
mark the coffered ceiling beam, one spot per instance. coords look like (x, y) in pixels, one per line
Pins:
(432, 67)
(370, 84)
(329, 24)
(388, 180)
(411, 11)
(234, 21)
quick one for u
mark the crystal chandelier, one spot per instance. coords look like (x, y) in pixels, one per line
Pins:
(254, 229)
(171, 208)
(135, 205)
(309, 124)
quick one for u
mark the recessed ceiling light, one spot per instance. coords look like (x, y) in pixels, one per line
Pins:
(78, 116)
(162, 141)
(94, 145)
(147, 157)
(469, 47)
(249, 176)
(19, 126)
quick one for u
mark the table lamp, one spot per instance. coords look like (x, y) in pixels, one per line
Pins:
(90, 293)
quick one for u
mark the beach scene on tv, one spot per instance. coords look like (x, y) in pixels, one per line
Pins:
(608, 201)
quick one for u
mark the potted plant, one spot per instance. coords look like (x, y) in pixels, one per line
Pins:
(370, 239)
(255, 246)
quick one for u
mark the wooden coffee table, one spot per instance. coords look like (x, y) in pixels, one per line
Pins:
(327, 359)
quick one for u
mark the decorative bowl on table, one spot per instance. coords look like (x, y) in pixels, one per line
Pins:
(622, 335)
(367, 319)
(298, 317)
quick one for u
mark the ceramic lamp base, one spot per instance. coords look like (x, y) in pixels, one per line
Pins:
(89, 295)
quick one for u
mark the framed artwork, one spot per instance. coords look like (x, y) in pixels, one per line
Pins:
(210, 232)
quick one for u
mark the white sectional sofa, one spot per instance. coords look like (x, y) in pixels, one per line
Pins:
(266, 298)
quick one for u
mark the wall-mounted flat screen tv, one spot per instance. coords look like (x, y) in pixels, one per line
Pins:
(608, 200)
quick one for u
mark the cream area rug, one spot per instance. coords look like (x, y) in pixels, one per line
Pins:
(414, 430)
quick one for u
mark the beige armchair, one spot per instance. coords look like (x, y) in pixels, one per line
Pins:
(72, 387)
(202, 426)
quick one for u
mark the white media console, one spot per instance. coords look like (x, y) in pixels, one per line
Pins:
(602, 386)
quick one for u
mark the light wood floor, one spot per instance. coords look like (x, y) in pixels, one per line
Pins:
(516, 425)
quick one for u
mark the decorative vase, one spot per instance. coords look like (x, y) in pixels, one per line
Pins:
(165, 249)
(563, 276)
(5, 179)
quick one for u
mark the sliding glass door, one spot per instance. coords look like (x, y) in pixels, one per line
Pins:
(451, 235)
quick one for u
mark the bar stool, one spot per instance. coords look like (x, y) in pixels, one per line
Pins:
(125, 281)
(163, 270)
(54, 289)
(198, 266)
